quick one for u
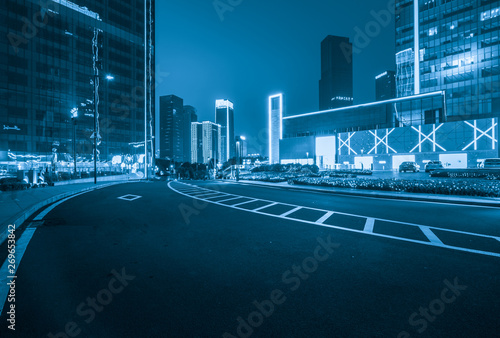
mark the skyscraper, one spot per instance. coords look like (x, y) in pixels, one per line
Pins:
(385, 86)
(451, 46)
(175, 128)
(335, 86)
(206, 142)
(275, 127)
(224, 116)
(49, 71)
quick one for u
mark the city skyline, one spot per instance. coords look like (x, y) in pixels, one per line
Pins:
(236, 59)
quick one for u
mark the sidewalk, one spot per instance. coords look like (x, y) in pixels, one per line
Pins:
(466, 200)
(17, 206)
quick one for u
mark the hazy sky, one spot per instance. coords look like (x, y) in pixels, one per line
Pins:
(254, 48)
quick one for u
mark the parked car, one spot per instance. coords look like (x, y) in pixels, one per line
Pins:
(12, 183)
(409, 166)
(491, 163)
(433, 165)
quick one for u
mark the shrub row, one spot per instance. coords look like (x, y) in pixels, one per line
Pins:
(445, 187)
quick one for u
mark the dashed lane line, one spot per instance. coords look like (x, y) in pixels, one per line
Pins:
(265, 206)
(370, 223)
(326, 216)
(433, 239)
(285, 214)
(430, 235)
(238, 204)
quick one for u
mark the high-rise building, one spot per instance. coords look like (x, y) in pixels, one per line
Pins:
(385, 86)
(50, 70)
(175, 128)
(336, 85)
(188, 117)
(190, 111)
(205, 142)
(224, 116)
(275, 127)
(451, 46)
(196, 142)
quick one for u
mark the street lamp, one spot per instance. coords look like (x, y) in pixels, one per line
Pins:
(74, 115)
(238, 155)
(96, 78)
(307, 154)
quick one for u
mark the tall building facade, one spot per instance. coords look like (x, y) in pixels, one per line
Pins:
(385, 86)
(451, 46)
(175, 129)
(75, 56)
(224, 116)
(205, 142)
(196, 142)
(275, 127)
(336, 84)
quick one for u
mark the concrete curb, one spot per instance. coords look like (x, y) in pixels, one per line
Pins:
(21, 217)
(387, 195)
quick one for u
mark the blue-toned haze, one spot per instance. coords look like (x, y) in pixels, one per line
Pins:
(261, 48)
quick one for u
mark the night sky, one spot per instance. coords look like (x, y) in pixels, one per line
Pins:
(262, 48)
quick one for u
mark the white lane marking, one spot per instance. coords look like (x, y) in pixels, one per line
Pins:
(486, 253)
(290, 212)
(238, 204)
(226, 200)
(44, 213)
(375, 218)
(265, 206)
(395, 198)
(325, 217)
(21, 245)
(129, 197)
(370, 222)
(431, 236)
(206, 193)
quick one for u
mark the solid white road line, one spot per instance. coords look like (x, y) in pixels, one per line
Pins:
(290, 212)
(325, 217)
(430, 235)
(44, 213)
(370, 222)
(21, 244)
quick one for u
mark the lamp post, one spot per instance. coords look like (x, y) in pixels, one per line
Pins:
(74, 115)
(307, 154)
(96, 78)
(238, 155)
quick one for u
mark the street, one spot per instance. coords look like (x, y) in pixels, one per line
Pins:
(206, 259)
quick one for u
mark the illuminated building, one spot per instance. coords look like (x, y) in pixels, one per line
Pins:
(275, 124)
(47, 70)
(457, 48)
(335, 86)
(448, 97)
(205, 142)
(224, 116)
(385, 86)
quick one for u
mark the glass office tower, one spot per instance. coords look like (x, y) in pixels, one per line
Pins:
(457, 50)
(224, 116)
(50, 54)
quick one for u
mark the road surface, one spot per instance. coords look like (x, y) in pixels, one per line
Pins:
(200, 259)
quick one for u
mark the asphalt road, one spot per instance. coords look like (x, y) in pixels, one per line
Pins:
(183, 261)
